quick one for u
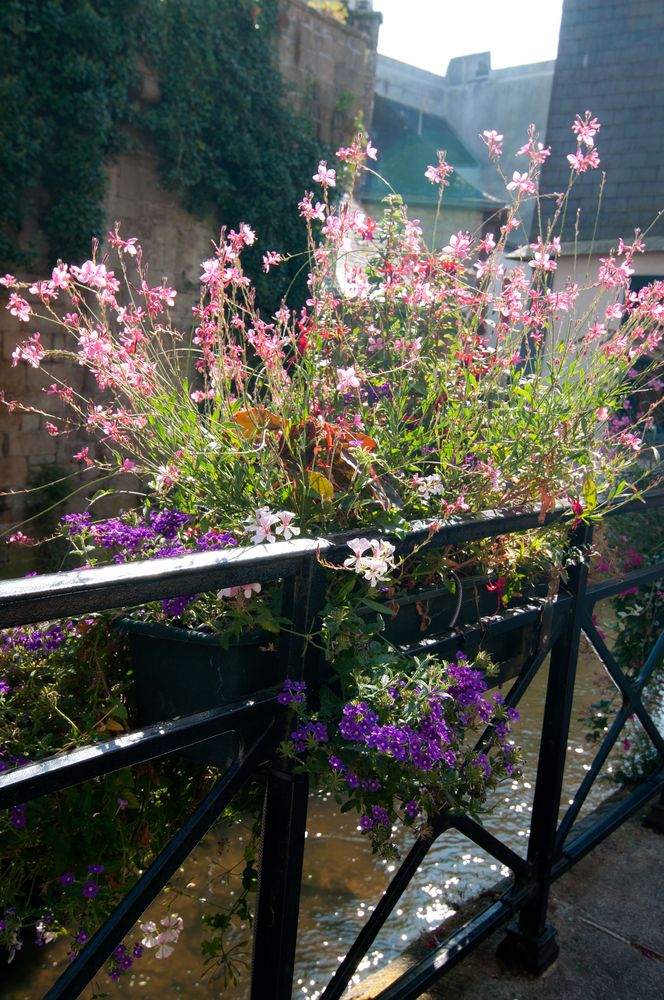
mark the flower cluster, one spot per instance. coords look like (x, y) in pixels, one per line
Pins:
(374, 567)
(403, 748)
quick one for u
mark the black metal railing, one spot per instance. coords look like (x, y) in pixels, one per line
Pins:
(554, 845)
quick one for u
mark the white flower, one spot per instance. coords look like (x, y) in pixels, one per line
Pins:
(246, 589)
(359, 546)
(285, 526)
(375, 567)
(261, 523)
(429, 486)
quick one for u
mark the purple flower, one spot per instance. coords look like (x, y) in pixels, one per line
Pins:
(5, 687)
(137, 951)
(215, 540)
(96, 869)
(90, 889)
(126, 962)
(67, 879)
(115, 974)
(293, 691)
(366, 822)
(174, 606)
(82, 937)
(412, 808)
(122, 804)
(380, 815)
(76, 523)
(3, 926)
(167, 523)
(335, 763)
(18, 818)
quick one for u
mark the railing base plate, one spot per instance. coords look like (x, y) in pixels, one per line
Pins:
(533, 954)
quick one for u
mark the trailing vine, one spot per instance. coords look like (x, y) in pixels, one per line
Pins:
(226, 140)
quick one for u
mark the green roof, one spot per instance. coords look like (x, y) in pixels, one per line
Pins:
(407, 142)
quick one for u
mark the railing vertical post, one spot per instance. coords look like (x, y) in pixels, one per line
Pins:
(531, 944)
(285, 812)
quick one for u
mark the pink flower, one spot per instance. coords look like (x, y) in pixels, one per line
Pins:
(18, 538)
(309, 211)
(521, 183)
(30, 351)
(347, 379)
(439, 173)
(19, 307)
(83, 456)
(371, 152)
(459, 245)
(60, 276)
(493, 141)
(260, 525)
(270, 259)
(51, 429)
(285, 527)
(586, 129)
(9, 281)
(91, 274)
(167, 476)
(246, 589)
(127, 465)
(580, 162)
(325, 176)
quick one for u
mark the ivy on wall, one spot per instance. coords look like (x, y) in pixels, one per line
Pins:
(225, 138)
(66, 78)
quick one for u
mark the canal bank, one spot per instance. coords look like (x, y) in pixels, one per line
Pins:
(609, 914)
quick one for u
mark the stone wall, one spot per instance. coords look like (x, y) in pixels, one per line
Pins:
(328, 68)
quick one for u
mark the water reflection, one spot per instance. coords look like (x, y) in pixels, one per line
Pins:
(342, 882)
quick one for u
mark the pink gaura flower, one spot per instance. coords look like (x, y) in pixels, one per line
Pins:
(246, 589)
(459, 245)
(127, 465)
(285, 526)
(347, 379)
(19, 307)
(580, 162)
(521, 183)
(94, 275)
(260, 525)
(9, 281)
(325, 176)
(31, 351)
(586, 129)
(270, 259)
(439, 173)
(493, 141)
(310, 211)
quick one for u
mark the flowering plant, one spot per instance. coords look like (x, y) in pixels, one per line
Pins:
(396, 745)
(414, 384)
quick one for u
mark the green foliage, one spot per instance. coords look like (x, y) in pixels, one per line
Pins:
(65, 84)
(227, 142)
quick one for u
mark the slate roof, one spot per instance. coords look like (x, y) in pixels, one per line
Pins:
(611, 61)
(407, 143)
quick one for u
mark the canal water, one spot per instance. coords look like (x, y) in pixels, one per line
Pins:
(342, 882)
